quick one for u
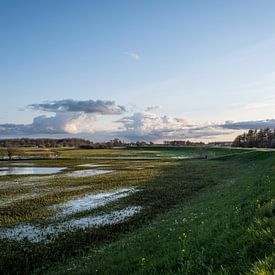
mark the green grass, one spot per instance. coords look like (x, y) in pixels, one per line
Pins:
(224, 229)
(195, 151)
(199, 216)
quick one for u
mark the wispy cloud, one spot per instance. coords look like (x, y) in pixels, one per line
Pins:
(133, 56)
(152, 108)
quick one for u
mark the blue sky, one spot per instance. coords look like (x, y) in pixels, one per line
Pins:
(203, 62)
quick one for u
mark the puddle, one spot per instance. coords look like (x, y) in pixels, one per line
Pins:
(101, 220)
(182, 157)
(124, 157)
(5, 171)
(45, 234)
(89, 202)
(40, 192)
(135, 168)
(88, 173)
(92, 165)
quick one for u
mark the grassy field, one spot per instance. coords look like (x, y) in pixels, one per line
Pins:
(172, 211)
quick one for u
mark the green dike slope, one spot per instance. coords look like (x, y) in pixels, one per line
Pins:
(206, 217)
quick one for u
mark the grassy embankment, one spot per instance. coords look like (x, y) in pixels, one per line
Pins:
(226, 228)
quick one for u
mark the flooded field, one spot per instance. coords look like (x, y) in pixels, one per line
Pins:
(35, 233)
(55, 207)
(91, 201)
(93, 165)
(8, 171)
(59, 197)
(88, 173)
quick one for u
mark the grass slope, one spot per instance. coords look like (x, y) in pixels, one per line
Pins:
(210, 217)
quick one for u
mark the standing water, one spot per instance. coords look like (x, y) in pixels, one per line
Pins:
(7, 171)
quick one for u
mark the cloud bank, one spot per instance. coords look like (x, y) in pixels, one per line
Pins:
(57, 124)
(149, 126)
(252, 124)
(89, 118)
(70, 117)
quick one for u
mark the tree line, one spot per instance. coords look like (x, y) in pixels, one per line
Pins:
(44, 142)
(67, 142)
(183, 143)
(263, 138)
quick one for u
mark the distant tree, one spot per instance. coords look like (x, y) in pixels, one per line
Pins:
(18, 153)
(10, 152)
(3, 153)
(141, 143)
(272, 142)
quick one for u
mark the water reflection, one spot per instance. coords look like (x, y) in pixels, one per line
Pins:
(6, 171)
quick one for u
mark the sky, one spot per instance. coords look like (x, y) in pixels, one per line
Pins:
(137, 70)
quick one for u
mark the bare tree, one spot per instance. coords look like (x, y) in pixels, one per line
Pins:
(2, 153)
(10, 152)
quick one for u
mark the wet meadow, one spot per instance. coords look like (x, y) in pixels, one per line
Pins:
(139, 210)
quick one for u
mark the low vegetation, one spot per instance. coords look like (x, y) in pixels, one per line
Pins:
(197, 215)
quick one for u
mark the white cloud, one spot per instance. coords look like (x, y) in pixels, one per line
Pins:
(149, 126)
(60, 123)
(138, 126)
(71, 117)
